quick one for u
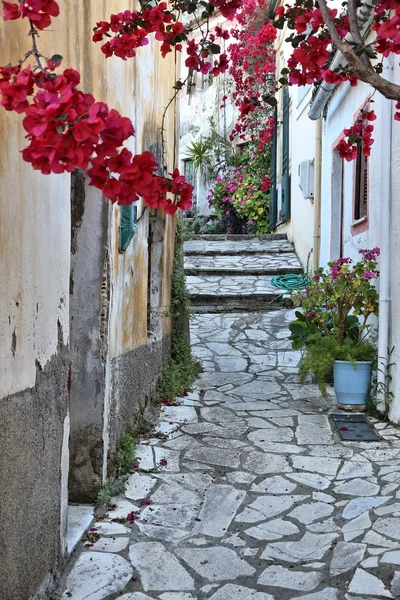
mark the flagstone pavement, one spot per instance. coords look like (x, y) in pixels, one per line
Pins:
(252, 495)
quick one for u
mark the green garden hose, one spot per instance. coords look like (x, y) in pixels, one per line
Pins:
(290, 282)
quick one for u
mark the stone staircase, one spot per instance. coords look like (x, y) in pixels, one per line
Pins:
(234, 272)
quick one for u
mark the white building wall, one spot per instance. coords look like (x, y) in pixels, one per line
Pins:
(300, 227)
(342, 110)
(394, 323)
(196, 108)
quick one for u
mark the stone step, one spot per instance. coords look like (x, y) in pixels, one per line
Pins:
(242, 264)
(251, 292)
(241, 246)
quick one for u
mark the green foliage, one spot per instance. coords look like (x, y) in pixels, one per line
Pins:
(125, 454)
(322, 351)
(241, 193)
(252, 205)
(122, 464)
(306, 325)
(344, 290)
(333, 323)
(111, 488)
(380, 391)
(182, 369)
(209, 153)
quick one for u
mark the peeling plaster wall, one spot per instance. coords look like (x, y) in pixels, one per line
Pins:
(115, 369)
(35, 256)
(136, 355)
(89, 270)
(34, 366)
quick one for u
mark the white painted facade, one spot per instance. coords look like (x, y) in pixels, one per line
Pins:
(340, 233)
(302, 132)
(199, 103)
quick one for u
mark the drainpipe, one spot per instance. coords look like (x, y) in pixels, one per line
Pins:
(365, 17)
(386, 118)
(317, 195)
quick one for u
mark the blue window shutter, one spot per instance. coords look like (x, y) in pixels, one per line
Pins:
(273, 209)
(285, 205)
(127, 227)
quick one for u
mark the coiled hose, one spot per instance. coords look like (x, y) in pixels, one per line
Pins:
(290, 282)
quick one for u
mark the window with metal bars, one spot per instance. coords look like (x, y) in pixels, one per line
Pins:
(361, 186)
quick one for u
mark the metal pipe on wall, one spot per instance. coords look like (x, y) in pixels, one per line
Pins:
(317, 194)
(386, 118)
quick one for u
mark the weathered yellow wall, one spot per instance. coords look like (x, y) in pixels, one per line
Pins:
(34, 209)
(34, 242)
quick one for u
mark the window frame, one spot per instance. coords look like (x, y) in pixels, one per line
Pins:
(360, 205)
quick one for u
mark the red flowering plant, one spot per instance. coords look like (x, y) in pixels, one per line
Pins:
(252, 68)
(68, 129)
(240, 193)
(359, 134)
(318, 31)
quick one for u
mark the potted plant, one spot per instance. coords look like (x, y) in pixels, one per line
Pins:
(333, 327)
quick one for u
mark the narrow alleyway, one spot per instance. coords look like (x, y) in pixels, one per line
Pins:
(256, 497)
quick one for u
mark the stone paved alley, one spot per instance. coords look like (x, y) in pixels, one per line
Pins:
(258, 498)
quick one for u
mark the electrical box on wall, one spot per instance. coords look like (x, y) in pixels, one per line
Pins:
(306, 178)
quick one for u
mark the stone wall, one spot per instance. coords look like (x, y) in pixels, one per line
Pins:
(89, 299)
(34, 423)
(133, 380)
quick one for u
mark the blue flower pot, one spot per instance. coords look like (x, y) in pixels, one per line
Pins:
(352, 381)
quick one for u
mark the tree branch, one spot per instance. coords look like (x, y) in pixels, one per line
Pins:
(364, 71)
(356, 33)
(353, 20)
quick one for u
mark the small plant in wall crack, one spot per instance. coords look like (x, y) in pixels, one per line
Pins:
(122, 463)
(380, 390)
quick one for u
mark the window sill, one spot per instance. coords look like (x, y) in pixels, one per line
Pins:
(359, 225)
(359, 221)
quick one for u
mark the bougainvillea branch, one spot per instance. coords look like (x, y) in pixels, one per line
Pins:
(319, 31)
(252, 67)
(358, 135)
(67, 129)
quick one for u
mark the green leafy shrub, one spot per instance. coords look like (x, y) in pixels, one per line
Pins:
(322, 351)
(182, 369)
(333, 323)
(240, 195)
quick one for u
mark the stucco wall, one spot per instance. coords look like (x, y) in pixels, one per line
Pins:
(34, 323)
(34, 303)
(300, 227)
